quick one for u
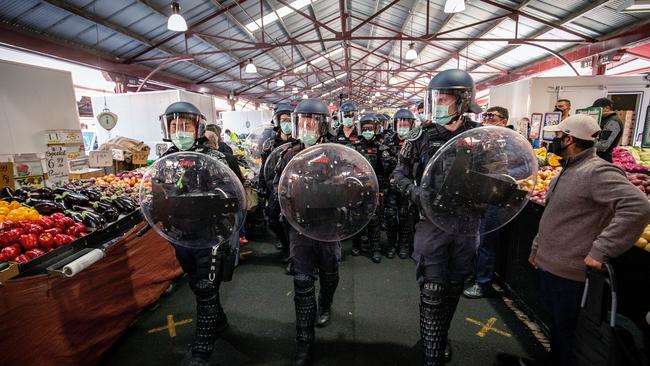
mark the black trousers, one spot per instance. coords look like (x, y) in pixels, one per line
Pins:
(562, 298)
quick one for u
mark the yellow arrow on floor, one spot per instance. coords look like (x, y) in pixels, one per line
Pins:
(488, 327)
(171, 326)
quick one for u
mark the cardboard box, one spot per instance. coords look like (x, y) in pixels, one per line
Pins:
(9, 272)
(90, 173)
(63, 137)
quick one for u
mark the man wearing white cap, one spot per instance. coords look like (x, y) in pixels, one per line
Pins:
(592, 214)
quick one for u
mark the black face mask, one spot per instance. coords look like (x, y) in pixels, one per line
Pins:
(557, 110)
(556, 146)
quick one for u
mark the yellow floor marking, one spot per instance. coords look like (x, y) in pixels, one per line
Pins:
(171, 326)
(488, 327)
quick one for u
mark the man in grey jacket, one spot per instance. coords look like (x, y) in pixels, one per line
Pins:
(612, 129)
(592, 214)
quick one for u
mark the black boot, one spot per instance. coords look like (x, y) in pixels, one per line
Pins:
(376, 256)
(451, 303)
(374, 239)
(328, 284)
(356, 245)
(403, 252)
(305, 302)
(405, 234)
(390, 254)
(210, 319)
(433, 323)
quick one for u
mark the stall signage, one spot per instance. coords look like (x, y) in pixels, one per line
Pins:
(79, 165)
(7, 175)
(100, 159)
(56, 161)
(118, 154)
(57, 181)
(141, 157)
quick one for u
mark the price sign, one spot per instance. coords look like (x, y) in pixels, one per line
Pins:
(7, 175)
(118, 154)
(53, 182)
(140, 157)
(56, 161)
(99, 159)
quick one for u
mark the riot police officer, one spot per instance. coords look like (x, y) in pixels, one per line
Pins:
(310, 259)
(370, 147)
(282, 121)
(184, 125)
(444, 260)
(347, 133)
(397, 216)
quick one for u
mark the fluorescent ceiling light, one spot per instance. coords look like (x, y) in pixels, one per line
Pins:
(411, 54)
(176, 22)
(250, 68)
(273, 16)
(635, 6)
(454, 6)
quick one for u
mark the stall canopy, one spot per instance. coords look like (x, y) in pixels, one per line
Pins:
(324, 48)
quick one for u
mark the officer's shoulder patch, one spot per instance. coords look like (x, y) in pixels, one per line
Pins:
(414, 134)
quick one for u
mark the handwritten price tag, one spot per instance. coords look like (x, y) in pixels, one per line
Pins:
(56, 161)
(140, 157)
(7, 175)
(100, 159)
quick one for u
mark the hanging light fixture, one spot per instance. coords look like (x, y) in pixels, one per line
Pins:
(176, 22)
(392, 80)
(411, 54)
(280, 83)
(454, 6)
(305, 96)
(377, 94)
(294, 90)
(250, 67)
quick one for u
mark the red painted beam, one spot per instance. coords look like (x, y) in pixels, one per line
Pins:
(64, 51)
(639, 34)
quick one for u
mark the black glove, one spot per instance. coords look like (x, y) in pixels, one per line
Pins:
(414, 194)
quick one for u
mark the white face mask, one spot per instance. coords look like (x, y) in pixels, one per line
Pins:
(183, 140)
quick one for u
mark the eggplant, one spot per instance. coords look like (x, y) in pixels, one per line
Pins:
(110, 215)
(21, 192)
(44, 207)
(92, 194)
(75, 199)
(92, 220)
(76, 216)
(42, 193)
(7, 192)
(124, 204)
(100, 206)
(61, 190)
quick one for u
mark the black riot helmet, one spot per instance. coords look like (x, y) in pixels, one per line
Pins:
(280, 109)
(179, 119)
(365, 121)
(401, 119)
(348, 114)
(311, 121)
(450, 94)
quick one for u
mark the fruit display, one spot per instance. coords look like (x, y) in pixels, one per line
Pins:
(626, 161)
(544, 176)
(24, 240)
(644, 240)
(545, 158)
(14, 210)
(121, 180)
(640, 180)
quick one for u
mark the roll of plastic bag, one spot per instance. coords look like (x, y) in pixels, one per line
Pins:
(83, 262)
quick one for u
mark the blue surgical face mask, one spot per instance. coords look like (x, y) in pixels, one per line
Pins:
(348, 121)
(286, 127)
(309, 138)
(422, 118)
(183, 140)
(368, 135)
(403, 131)
(441, 115)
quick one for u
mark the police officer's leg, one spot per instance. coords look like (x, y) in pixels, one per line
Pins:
(356, 243)
(432, 257)
(204, 282)
(391, 223)
(374, 237)
(303, 257)
(405, 229)
(328, 269)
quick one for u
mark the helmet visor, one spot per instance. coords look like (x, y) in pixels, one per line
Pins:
(444, 106)
(185, 123)
(309, 127)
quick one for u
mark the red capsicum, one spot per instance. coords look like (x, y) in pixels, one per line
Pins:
(45, 222)
(33, 253)
(22, 258)
(46, 240)
(11, 252)
(35, 229)
(29, 241)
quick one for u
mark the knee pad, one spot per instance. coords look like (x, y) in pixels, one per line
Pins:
(433, 292)
(303, 284)
(205, 289)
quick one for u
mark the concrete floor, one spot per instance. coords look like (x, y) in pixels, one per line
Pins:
(375, 320)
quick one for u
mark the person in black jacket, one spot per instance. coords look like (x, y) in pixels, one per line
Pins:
(611, 129)
(184, 125)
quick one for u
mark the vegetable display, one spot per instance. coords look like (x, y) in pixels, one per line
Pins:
(626, 161)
